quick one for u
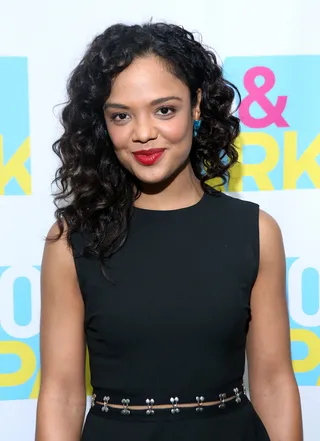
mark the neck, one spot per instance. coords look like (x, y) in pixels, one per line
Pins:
(183, 190)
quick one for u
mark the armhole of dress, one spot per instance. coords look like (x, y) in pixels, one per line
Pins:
(77, 247)
(256, 243)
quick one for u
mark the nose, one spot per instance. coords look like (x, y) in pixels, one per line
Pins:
(144, 131)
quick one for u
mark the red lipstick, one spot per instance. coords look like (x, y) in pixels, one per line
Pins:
(148, 157)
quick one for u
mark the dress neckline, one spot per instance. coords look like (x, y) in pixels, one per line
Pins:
(174, 210)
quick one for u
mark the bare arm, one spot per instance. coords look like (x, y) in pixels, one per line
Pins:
(61, 403)
(273, 388)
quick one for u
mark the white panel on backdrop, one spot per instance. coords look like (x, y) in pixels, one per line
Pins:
(41, 42)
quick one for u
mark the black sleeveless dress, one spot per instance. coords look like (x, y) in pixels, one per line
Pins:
(172, 326)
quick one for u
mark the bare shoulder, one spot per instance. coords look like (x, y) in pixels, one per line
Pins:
(268, 225)
(271, 241)
(53, 234)
(57, 253)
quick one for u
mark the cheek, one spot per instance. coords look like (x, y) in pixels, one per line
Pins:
(120, 137)
(117, 135)
(177, 130)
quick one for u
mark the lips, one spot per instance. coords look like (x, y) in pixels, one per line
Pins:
(148, 152)
(148, 157)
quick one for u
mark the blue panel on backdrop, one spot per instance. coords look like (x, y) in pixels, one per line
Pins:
(15, 173)
(305, 329)
(19, 354)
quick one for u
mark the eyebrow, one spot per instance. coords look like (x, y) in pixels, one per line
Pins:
(153, 103)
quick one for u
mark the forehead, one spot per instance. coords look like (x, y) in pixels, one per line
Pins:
(146, 78)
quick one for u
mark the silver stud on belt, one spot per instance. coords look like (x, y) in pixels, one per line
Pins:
(105, 407)
(150, 404)
(237, 394)
(222, 398)
(174, 402)
(200, 401)
(93, 400)
(125, 402)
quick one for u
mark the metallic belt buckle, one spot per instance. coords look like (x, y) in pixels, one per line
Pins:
(125, 402)
(200, 401)
(150, 404)
(222, 398)
(174, 402)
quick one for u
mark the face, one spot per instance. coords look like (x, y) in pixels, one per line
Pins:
(150, 120)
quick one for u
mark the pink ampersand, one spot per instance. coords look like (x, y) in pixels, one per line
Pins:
(257, 94)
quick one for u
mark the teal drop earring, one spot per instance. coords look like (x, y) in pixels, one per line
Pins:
(196, 126)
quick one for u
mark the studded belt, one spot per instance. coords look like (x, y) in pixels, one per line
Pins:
(107, 405)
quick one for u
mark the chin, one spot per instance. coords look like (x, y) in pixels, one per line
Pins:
(152, 175)
(152, 178)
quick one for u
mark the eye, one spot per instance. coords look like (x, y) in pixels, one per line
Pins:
(166, 111)
(119, 116)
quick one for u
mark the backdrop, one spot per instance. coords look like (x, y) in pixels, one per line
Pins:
(270, 50)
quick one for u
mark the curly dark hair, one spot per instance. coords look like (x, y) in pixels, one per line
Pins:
(98, 192)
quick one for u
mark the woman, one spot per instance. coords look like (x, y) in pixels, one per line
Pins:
(165, 278)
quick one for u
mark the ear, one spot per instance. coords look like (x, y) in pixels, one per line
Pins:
(196, 109)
